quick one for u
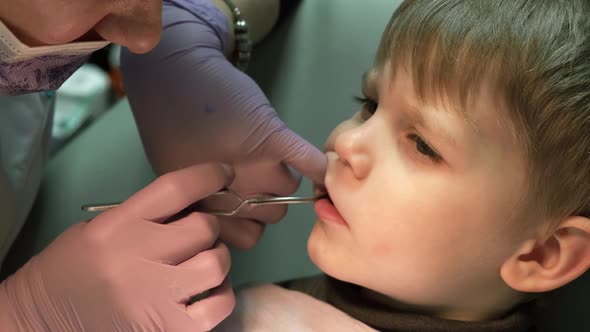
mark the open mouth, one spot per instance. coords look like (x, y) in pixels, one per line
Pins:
(325, 208)
(322, 192)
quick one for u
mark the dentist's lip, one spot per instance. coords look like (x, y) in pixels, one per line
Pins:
(326, 210)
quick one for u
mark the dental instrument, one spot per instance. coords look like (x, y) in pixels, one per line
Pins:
(241, 202)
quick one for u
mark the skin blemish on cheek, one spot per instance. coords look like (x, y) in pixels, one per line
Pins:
(380, 249)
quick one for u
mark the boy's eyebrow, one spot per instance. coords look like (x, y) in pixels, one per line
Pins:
(418, 116)
(368, 82)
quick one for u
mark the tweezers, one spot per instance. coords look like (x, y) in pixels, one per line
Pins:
(241, 202)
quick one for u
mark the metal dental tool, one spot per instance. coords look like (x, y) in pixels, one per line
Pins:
(241, 202)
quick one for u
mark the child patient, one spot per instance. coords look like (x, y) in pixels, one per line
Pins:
(460, 191)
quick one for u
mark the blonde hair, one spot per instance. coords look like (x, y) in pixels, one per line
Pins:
(536, 55)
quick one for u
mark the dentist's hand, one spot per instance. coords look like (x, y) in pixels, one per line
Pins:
(192, 106)
(131, 268)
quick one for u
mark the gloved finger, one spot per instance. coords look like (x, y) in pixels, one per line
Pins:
(178, 241)
(292, 149)
(240, 233)
(174, 191)
(202, 272)
(266, 177)
(212, 310)
(265, 214)
(254, 179)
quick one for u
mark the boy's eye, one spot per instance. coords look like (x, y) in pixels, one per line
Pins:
(368, 104)
(423, 148)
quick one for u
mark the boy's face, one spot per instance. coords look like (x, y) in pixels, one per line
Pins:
(428, 199)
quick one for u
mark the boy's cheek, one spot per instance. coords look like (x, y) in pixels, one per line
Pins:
(380, 249)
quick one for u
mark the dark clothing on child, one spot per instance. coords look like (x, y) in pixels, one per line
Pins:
(348, 298)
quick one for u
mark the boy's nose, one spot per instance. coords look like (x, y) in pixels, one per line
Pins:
(353, 148)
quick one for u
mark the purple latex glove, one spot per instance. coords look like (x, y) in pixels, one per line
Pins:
(192, 106)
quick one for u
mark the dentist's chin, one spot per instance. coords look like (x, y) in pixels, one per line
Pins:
(138, 38)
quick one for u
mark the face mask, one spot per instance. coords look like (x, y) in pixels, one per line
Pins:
(25, 69)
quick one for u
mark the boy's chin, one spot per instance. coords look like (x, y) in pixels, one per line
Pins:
(314, 244)
(324, 254)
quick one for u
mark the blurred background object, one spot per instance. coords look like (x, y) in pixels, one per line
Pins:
(87, 94)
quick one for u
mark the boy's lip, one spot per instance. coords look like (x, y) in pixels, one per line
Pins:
(326, 209)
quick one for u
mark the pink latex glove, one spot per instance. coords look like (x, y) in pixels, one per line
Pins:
(192, 106)
(127, 270)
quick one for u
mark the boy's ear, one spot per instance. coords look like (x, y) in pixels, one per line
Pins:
(541, 266)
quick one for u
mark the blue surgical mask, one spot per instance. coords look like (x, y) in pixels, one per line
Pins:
(25, 69)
